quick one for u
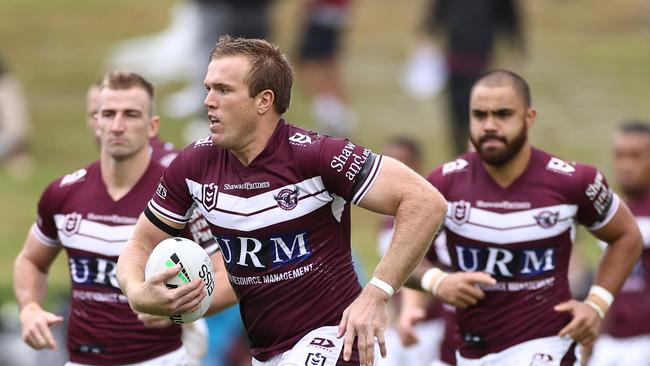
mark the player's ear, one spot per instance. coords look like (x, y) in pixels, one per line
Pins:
(264, 101)
(531, 115)
(154, 126)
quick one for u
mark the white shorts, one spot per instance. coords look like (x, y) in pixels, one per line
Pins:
(609, 351)
(195, 340)
(547, 351)
(320, 347)
(425, 352)
(176, 358)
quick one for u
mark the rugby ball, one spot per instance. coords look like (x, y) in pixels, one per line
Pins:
(194, 262)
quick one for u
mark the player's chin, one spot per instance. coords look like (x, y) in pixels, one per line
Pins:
(494, 156)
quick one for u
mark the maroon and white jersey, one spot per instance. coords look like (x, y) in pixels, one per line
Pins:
(162, 152)
(283, 225)
(629, 315)
(522, 235)
(76, 213)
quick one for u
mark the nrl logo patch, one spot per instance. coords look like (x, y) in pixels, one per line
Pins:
(460, 212)
(71, 224)
(315, 359)
(547, 219)
(209, 196)
(541, 359)
(287, 198)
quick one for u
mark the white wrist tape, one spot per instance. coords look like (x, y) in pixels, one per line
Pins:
(382, 285)
(602, 293)
(596, 307)
(432, 279)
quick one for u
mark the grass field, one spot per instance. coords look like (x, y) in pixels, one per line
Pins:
(587, 63)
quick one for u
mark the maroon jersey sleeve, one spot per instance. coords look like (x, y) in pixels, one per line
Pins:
(172, 199)
(436, 179)
(348, 170)
(45, 226)
(198, 230)
(596, 201)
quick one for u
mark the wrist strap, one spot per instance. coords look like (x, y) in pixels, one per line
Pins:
(602, 293)
(600, 311)
(432, 279)
(382, 285)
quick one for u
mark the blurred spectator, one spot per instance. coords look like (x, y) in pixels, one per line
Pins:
(470, 28)
(185, 46)
(430, 330)
(319, 65)
(14, 125)
(248, 19)
(626, 338)
(92, 106)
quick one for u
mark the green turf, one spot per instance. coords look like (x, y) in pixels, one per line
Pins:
(587, 65)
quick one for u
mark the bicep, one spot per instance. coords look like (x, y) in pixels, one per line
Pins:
(40, 254)
(621, 223)
(148, 233)
(394, 182)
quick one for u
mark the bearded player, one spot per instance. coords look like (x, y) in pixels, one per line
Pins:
(512, 215)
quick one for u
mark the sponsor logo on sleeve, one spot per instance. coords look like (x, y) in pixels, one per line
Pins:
(560, 166)
(454, 166)
(73, 177)
(315, 359)
(167, 159)
(339, 161)
(287, 199)
(71, 224)
(206, 141)
(547, 219)
(161, 191)
(209, 196)
(300, 139)
(599, 194)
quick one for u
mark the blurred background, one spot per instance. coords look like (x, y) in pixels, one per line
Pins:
(588, 64)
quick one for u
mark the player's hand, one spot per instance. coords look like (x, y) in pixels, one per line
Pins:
(406, 325)
(153, 297)
(154, 321)
(585, 324)
(460, 288)
(365, 319)
(36, 323)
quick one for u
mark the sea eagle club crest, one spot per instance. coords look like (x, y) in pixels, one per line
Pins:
(288, 198)
(209, 196)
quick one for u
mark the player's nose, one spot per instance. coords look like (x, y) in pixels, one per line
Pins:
(210, 101)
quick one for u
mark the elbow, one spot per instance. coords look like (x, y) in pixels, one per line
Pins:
(438, 204)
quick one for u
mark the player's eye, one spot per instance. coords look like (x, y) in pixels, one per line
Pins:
(479, 114)
(503, 113)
